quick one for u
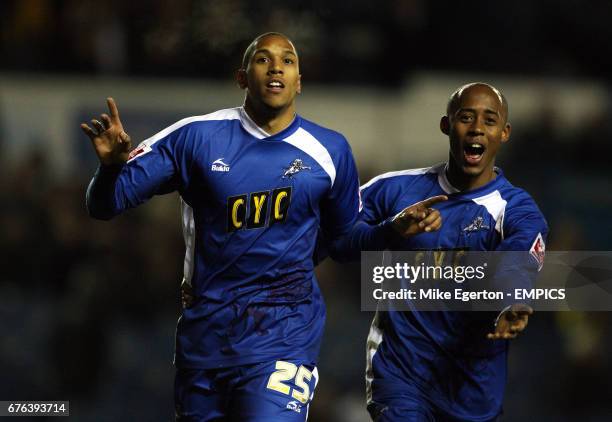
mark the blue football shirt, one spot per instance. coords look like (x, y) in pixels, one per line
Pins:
(251, 206)
(445, 356)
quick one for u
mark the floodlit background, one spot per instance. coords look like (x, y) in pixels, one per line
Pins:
(88, 308)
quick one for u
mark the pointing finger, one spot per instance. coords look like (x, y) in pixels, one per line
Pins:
(112, 107)
(434, 200)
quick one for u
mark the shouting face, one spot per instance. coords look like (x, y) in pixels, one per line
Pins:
(476, 124)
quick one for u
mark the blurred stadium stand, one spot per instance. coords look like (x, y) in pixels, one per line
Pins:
(88, 308)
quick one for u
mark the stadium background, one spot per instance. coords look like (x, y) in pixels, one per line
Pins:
(88, 308)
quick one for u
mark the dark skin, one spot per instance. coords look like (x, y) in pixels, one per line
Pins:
(110, 142)
(272, 81)
(478, 115)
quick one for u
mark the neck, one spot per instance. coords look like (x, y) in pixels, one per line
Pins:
(466, 182)
(271, 120)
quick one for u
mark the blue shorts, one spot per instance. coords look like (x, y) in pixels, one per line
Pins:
(395, 397)
(265, 392)
(406, 409)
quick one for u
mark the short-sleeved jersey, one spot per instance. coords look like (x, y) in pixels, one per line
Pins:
(446, 354)
(251, 207)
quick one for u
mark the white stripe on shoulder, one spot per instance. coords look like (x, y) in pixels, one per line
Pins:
(145, 146)
(226, 114)
(409, 172)
(496, 206)
(304, 140)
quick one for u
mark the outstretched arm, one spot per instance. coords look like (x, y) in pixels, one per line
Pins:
(418, 218)
(411, 221)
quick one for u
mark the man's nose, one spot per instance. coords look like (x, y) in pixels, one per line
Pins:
(477, 127)
(275, 67)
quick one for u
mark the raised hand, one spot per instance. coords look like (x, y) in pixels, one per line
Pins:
(111, 143)
(419, 217)
(511, 322)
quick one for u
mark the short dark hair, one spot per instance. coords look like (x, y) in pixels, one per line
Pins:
(453, 101)
(248, 53)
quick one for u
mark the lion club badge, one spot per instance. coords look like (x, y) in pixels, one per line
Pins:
(295, 167)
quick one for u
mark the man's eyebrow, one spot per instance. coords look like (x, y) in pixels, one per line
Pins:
(471, 110)
(265, 50)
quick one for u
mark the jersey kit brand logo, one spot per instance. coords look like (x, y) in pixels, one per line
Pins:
(219, 165)
(538, 250)
(294, 405)
(296, 166)
(251, 210)
(477, 224)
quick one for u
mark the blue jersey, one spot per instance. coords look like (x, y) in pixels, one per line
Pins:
(445, 356)
(251, 206)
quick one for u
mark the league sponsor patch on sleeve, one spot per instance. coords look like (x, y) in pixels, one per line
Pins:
(538, 249)
(141, 149)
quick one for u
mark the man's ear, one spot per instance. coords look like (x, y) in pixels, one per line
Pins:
(241, 78)
(445, 125)
(506, 133)
(299, 84)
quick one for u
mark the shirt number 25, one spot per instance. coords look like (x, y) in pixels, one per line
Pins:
(287, 371)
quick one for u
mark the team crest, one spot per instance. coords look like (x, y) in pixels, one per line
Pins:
(538, 250)
(295, 167)
(477, 224)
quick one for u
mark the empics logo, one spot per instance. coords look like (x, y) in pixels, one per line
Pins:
(219, 165)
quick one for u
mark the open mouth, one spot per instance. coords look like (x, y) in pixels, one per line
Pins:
(275, 86)
(473, 153)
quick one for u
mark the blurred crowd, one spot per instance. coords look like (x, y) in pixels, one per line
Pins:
(342, 41)
(88, 308)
